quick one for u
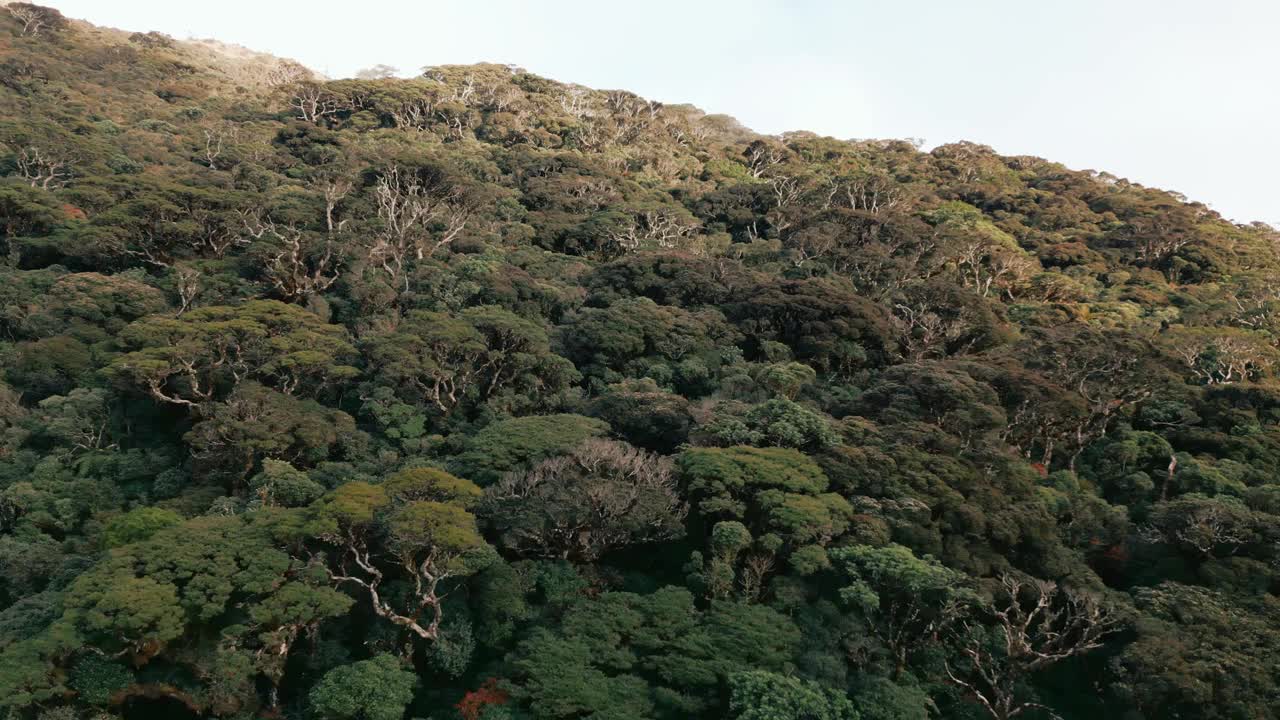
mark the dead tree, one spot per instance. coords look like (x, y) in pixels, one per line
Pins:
(293, 270)
(867, 192)
(287, 72)
(335, 191)
(1037, 623)
(419, 215)
(35, 18)
(761, 157)
(187, 282)
(1225, 359)
(653, 228)
(601, 496)
(43, 169)
(313, 102)
(427, 575)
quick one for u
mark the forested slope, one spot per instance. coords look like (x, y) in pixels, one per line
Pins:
(481, 395)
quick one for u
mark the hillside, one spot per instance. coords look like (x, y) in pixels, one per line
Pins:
(480, 395)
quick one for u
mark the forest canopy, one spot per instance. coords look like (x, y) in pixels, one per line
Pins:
(482, 396)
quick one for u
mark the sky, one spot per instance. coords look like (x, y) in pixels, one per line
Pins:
(1177, 94)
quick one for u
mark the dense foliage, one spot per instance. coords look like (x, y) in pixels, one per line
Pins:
(483, 396)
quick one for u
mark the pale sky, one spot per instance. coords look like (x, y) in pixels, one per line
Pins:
(1178, 94)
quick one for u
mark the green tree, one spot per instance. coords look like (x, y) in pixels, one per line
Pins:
(774, 423)
(646, 656)
(138, 524)
(1201, 652)
(292, 611)
(417, 525)
(519, 443)
(280, 483)
(636, 337)
(257, 424)
(904, 600)
(766, 696)
(824, 322)
(771, 490)
(644, 414)
(435, 357)
(204, 354)
(376, 689)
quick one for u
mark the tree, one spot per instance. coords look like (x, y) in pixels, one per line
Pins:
(637, 337)
(766, 696)
(256, 424)
(654, 229)
(36, 18)
(1201, 652)
(942, 394)
(200, 356)
(416, 524)
(435, 355)
(520, 443)
(937, 319)
(1038, 623)
(644, 414)
(473, 356)
(92, 306)
(824, 322)
(294, 611)
(159, 222)
(43, 168)
(126, 615)
(80, 420)
(1223, 356)
(601, 496)
(777, 423)
(29, 675)
(878, 698)
(311, 100)
(1160, 233)
(716, 575)
(761, 156)
(377, 72)
(905, 601)
(297, 265)
(772, 489)
(27, 211)
(280, 483)
(419, 211)
(138, 524)
(667, 278)
(1204, 527)
(983, 257)
(779, 498)
(626, 655)
(148, 600)
(49, 366)
(376, 689)
(1108, 370)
